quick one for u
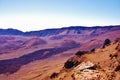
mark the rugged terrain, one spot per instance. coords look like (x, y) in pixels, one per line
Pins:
(98, 64)
(34, 55)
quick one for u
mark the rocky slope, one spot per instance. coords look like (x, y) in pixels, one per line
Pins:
(29, 56)
(99, 64)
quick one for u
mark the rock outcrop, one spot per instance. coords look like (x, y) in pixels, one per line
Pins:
(102, 64)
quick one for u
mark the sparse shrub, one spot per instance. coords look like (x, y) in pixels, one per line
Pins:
(98, 65)
(80, 53)
(54, 75)
(110, 56)
(115, 55)
(93, 50)
(118, 47)
(73, 76)
(106, 43)
(69, 64)
(117, 68)
(64, 76)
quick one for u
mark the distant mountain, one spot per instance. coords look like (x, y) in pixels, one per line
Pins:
(10, 32)
(33, 54)
(73, 30)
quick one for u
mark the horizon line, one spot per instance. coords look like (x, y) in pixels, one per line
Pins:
(62, 27)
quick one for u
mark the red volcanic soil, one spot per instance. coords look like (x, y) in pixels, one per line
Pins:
(25, 58)
(101, 64)
(33, 42)
(69, 42)
(8, 43)
(91, 45)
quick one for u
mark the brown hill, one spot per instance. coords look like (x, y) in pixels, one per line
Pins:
(100, 64)
(69, 43)
(8, 43)
(33, 42)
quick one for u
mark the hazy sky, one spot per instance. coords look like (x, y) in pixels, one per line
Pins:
(29, 15)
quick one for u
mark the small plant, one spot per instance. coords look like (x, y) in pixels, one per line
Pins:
(54, 75)
(69, 65)
(110, 56)
(117, 68)
(64, 76)
(80, 53)
(115, 55)
(93, 50)
(106, 43)
(73, 76)
(118, 47)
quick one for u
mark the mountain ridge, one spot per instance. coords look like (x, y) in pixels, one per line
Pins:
(72, 30)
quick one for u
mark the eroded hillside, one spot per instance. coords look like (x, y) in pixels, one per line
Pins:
(99, 64)
(41, 53)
